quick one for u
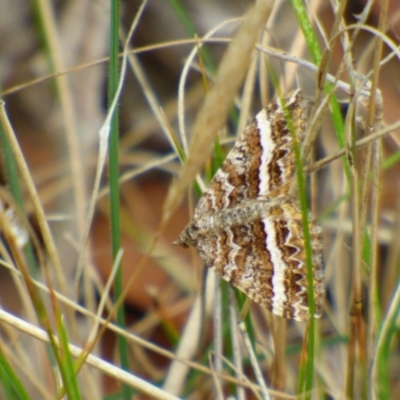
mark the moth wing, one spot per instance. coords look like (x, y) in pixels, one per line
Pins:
(262, 159)
(265, 259)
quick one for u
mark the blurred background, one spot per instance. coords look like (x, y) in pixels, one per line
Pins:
(53, 69)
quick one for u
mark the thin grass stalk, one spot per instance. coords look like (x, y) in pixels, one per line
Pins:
(351, 360)
(12, 179)
(10, 171)
(278, 370)
(373, 295)
(373, 304)
(218, 325)
(357, 333)
(307, 387)
(254, 362)
(372, 123)
(364, 183)
(236, 351)
(50, 36)
(391, 268)
(113, 78)
(33, 195)
(347, 46)
(212, 360)
(303, 368)
(53, 45)
(387, 334)
(71, 386)
(326, 56)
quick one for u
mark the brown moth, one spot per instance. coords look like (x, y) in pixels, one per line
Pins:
(247, 226)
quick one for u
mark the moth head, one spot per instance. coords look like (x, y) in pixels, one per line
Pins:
(181, 242)
(188, 236)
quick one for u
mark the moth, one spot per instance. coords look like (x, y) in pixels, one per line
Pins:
(247, 226)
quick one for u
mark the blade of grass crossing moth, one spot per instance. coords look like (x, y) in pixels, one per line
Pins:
(316, 55)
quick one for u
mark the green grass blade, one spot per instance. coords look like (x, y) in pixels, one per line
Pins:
(11, 172)
(114, 180)
(301, 181)
(391, 160)
(389, 333)
(9, 381)
(316, 55)
(70, 381)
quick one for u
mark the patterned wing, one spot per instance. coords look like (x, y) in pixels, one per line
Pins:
(261, 160)
(261, 252)
(247, 226)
